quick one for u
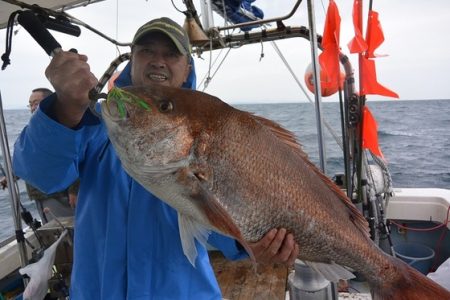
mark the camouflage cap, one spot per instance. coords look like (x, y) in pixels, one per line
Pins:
(165, 25)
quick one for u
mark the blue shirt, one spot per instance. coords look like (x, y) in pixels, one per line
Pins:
(127, 243)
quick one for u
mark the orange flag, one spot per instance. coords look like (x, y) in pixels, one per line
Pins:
(374, 34)
(329, 58)
(357, 44)
(370, 133)
(370, 85)
(366, 48)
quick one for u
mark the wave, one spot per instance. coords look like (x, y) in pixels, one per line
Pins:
(388, 133)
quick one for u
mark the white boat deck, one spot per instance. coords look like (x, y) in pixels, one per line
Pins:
(423, 204)
(9, 255)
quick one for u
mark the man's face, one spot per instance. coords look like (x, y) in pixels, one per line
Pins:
(35, 99)
(157, 61)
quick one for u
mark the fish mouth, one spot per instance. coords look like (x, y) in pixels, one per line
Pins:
(117, 102)
(115, 111)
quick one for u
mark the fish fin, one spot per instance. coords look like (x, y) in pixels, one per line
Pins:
(289, 139)
(331, 271)
(355, 215)
(286, 136)
(219, 219)
(410, 285)
(190, 230)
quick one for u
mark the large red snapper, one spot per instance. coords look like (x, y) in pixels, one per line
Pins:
(227, 170)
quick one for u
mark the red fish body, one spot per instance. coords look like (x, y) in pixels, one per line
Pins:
(227, 170)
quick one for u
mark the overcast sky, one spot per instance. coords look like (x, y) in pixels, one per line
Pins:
(417, 43)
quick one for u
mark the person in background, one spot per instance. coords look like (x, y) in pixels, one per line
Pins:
(127, 243)
(61, 204)
(37, 95)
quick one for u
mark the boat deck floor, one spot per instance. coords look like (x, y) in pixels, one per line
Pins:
(239, 280)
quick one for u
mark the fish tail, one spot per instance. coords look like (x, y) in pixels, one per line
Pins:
(410, 285)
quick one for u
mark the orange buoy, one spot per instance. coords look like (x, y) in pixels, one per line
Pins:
(327, 87)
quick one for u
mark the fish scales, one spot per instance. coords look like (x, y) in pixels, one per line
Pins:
(227, 170)
(269, 169)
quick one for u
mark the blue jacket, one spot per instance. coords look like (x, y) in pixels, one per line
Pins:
(127, 243)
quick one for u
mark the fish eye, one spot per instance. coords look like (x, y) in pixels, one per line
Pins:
(165, 106)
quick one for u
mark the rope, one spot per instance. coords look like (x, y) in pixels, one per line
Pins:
(330, 129)
(207, 78)
(110, 71)
(176, 8)
(117, 26)
(386, 174)
(387, 179)
(261, 56)
(218, 67)
(225, 17)
(9, 32)
(105, 77)
(443, 224)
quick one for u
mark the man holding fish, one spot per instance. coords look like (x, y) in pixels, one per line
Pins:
(127, 241)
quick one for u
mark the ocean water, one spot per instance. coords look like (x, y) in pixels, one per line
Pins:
(414, 137)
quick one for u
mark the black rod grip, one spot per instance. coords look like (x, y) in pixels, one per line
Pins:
(37, 30)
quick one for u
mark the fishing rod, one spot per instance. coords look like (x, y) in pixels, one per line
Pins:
(19, 212)
(43, 37)
(13, 193)
(27, 217)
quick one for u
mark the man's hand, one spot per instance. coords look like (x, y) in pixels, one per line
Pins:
(70, 75)
(276, 247)
(3, 182)
(73, 200)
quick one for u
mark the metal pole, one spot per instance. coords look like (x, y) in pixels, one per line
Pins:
(207, 14)
(362, 102)
(12, 190)
(317, 88)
